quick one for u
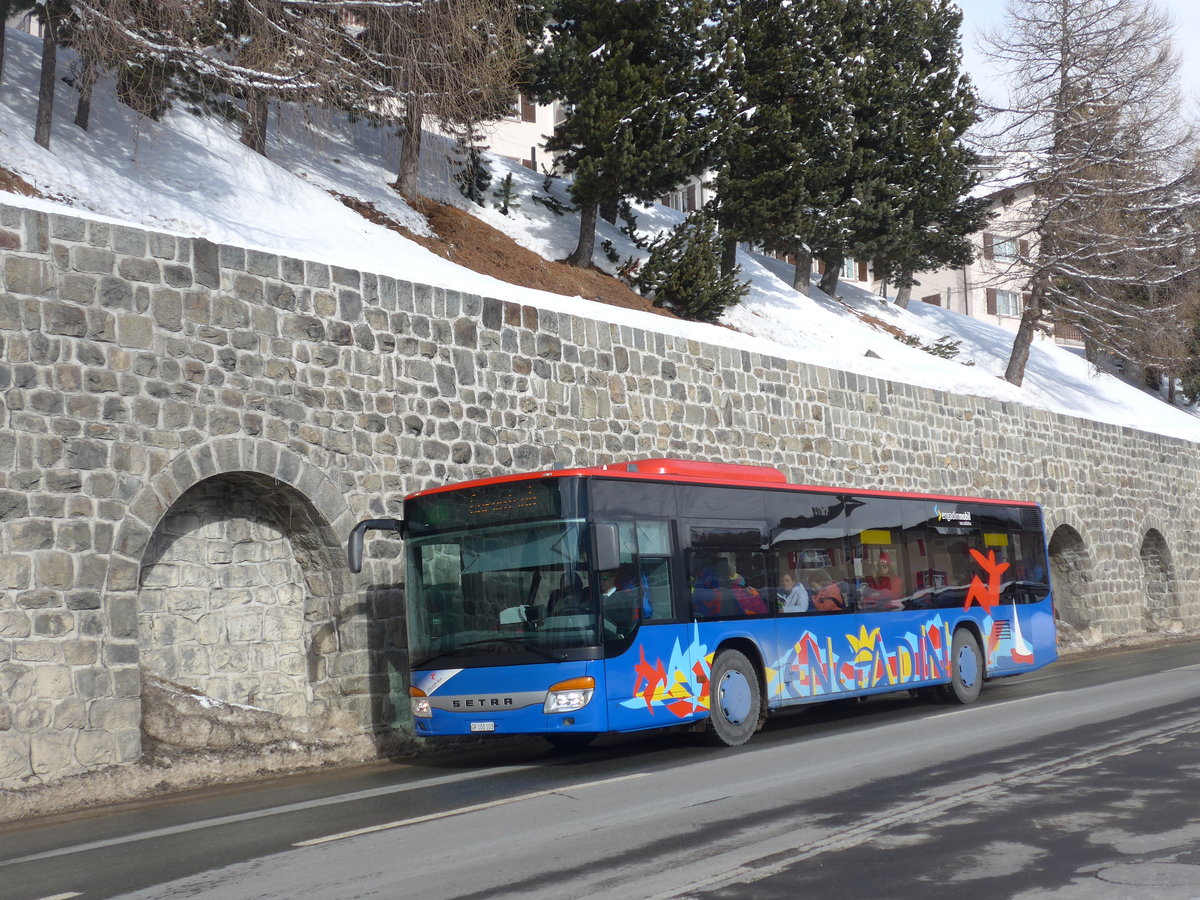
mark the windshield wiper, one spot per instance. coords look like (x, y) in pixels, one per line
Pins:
(532, 648)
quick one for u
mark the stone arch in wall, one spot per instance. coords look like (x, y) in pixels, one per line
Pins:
(235, 582)
(224, 596)
(1162, 607)
(1071, 576)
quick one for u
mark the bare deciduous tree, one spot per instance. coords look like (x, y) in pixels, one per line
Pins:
(450, 61)
(1095, 118)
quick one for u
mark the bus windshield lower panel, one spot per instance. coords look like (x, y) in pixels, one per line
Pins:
(501, 595)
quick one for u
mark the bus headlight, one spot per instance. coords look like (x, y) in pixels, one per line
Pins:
(570, 695)
(421, 708)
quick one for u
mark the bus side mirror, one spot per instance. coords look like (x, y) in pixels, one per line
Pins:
(354, 547)
(606, 546)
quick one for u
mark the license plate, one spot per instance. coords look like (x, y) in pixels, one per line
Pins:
(483, 726)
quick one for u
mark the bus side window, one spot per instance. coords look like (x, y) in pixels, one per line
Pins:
(656, 578)
(654, 565)
(706, 573)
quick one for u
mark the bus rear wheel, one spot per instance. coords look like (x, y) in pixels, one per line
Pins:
(967, 669)
(735, 700)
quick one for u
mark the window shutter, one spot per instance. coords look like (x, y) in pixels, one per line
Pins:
(691, 197)
(988, 237)
(991, 301)
(862, 271)
(1024, 248)
(528, 110)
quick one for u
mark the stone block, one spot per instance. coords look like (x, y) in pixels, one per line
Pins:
(28, 275)
(140, 270)
(53, 624)
(136, 332)
(206, 263)
(54, 569)
(14, 758)
(114, 715)
(53, 682)
(95, 748)
(52, 754)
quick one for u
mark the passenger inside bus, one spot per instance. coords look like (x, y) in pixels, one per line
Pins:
(826, 594)
(749, 601)
(792, 596)
(623, 600)
(884, 589)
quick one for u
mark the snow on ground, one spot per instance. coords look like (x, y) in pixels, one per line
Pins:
(191, 176)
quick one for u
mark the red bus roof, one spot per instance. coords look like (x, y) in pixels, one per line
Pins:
(685, 471)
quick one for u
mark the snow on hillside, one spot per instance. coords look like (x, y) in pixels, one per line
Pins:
(191, 176)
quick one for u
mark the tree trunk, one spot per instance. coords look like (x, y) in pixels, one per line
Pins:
(833, 271)
(83, 109)
(904, 286)
(728, 254)
(45, 107)
(3, 32)
(609, 209)
(254, 134)
(408, 175)
(581, 256)
(1017, 360)
(802, 274)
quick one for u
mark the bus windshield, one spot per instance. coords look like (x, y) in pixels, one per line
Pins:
(501, 594)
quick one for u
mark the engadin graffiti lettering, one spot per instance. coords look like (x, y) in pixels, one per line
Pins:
(810, 669)
(680, 686)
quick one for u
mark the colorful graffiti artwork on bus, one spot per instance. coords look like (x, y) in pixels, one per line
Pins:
(818, 665)
(812, 667)
(1003, 636)
(680, 686)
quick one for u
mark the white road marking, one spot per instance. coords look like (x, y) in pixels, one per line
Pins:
(259, 814)
(462, 810)
(67, 896)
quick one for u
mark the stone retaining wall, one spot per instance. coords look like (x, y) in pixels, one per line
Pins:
(188, 432)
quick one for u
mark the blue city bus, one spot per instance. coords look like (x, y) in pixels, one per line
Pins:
(668, 592)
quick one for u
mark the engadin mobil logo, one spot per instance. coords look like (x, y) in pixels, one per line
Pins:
(951, 515)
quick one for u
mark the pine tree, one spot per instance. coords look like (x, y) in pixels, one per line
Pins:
(637, 81)
(929, 107)
(683, 272)
(899, 198)
(790, 137)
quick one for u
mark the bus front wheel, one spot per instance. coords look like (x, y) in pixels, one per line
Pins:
(967, 669)
(735, 700)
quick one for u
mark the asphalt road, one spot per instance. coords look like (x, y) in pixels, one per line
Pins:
(1082, 780)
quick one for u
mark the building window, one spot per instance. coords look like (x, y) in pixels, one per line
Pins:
(847, 269)
(1005, 249)
(1008, 303)
(673, 200)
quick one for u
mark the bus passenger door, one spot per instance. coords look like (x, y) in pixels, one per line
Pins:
(647, 670)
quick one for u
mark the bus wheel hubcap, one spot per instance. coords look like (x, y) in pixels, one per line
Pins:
(967, 668)
(735, 697)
